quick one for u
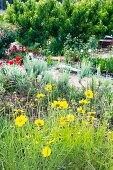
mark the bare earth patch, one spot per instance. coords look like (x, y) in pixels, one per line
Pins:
(74, 79)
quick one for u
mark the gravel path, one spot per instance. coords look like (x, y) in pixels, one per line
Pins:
(74, 79)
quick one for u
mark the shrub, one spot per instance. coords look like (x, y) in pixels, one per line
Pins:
(15, 78)
(60, 22)
(50, 19)
(46, 21)
(85, 67)
(105, 64)
(92, 43)
(47, 77)
(34, 67)
(1, 18)
(7, 36)
(72, 47)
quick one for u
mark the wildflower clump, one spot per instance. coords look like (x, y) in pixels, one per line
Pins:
(20, 120)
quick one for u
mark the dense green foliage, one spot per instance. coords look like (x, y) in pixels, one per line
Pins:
(52, 20)
(105, 64)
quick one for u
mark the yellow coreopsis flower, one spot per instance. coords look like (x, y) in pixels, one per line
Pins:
(70, 118)
(91, 113)
(80, 110)
(83, 101)
(40, 95)
(63, 104)
(60, 104)
(62, 121)
(56, 104)
(39, 122)
(48, 87)
(46, 151)
(20, 120)
(89, 94)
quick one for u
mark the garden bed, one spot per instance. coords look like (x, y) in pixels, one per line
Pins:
(56, 87)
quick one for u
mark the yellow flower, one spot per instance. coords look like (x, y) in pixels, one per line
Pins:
(60, 104)
(64, 104)
(56, 104)
(20, 120)
(91, 113)
(83, 101)
(39, 122)
(70, 118)
(89, 94)
(62, 121)
(40, 95)
(80, 110)
(48, 88)
(46, 151)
